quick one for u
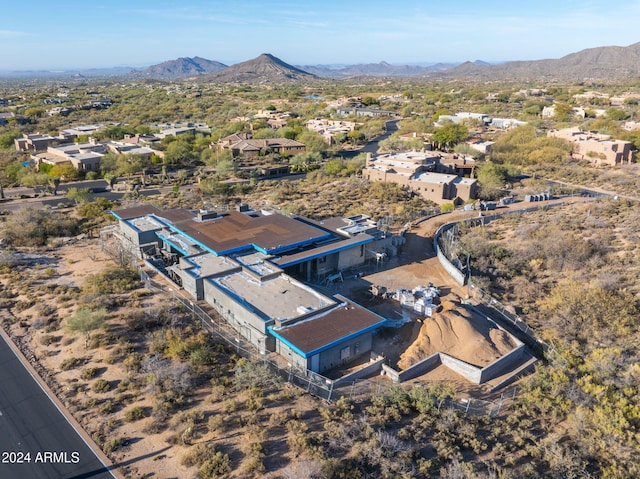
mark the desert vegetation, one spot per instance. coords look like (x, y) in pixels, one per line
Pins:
(142, 376)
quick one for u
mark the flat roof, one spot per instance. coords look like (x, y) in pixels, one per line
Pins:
(278, 298)
(438, 178)
(233, 231)
(296, 258)
(135, 212)
(145, 223)
(208, 264)
(326, 330)
(257, 262)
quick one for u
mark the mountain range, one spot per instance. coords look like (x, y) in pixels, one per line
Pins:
(610, 62)
(182, 67)
(591, 64)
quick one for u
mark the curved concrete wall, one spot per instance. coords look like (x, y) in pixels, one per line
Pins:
(455, 273)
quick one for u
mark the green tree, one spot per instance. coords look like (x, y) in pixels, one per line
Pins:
(6, 139)
(79, 195)
(616, 114)
(178, 153)
(450, 135)
(563, 111)
(85, 321)
(492, 178)
(313, 141)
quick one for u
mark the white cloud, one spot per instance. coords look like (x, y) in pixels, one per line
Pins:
(11, 34)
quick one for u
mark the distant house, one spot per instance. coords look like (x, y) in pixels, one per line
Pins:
(5, 117)
(596, 148)
(461, 117)
(328, 129)
(347, 111)
(69, 134)
(242, 145)
(483, 146)
(36, 142)
(83, 156)
(416, 171)
(178, 128)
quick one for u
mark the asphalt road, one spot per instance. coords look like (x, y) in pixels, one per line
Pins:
(372, 146)
(30, 423)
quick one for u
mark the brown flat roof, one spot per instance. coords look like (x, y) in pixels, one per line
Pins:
(329, 329)
(295, 258)
(136, 212)
(233, 230)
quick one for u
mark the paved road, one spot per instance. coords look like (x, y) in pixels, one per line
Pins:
(372, 146)
(31, 423)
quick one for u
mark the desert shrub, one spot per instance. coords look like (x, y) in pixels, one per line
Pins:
(113, 281)
(113, 445)
(107, 407)
(71, 363)
(47, 339)
(101, 386)
(255, 455)
(38, 323)
(198, 455)
(217, 422)
(217, 466)
(31, 227)
(89, 373)
(193, 416)
(133, 362)
(134, 414)
(253, 375)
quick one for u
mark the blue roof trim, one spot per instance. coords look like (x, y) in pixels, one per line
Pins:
(173, 245)
(289, 344)
(282, 248)
(349, 337)
(325, 253)
(193, 240)
(240, 300)
(332, 344)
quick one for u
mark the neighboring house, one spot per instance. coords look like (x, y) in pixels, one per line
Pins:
(486, 120)
(506, 123)
(244, 263)
(70, 134)
(328, 129)
(5, 117)
(461, 117)
(597, 148)
(124, 148)
(83, 156)
(483, 146)
(577, 112)
(178, 128)
(243, 146)
(416, 171)
(347, 111)
(36, 142)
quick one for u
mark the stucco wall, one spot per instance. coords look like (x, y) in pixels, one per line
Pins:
(501, 364)
(248, 324)
(469, 371)
(332, 357)
(351, 257)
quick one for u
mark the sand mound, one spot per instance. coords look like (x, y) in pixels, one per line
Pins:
(460, 333)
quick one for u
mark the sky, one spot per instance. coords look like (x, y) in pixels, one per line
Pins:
(64, 34)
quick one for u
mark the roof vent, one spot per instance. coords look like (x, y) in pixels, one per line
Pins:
(204, 215)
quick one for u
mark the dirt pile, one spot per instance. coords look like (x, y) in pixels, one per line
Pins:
(460, 333)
